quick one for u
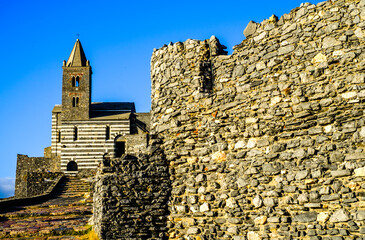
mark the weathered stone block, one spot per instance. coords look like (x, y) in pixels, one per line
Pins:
(341, 173)
(306, 217)
(250, 29)
(339, 216)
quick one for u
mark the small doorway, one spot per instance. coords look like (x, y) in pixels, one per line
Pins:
(119, 144)
(72, 166)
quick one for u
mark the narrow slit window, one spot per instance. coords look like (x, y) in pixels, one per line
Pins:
(107, 133)
(77, 101)
(75, 133)
(73, 102)
(59, 136)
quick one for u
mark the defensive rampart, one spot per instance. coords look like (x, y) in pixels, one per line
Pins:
(269, 141)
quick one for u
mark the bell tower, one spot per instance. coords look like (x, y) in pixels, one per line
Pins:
(76, 85)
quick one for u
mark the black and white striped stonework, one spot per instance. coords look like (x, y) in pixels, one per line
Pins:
(90, 143)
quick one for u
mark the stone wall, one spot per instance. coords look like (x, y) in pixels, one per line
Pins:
(130, 198)
(33, 175)
(38, 183)
(267, 143)
(138, 139)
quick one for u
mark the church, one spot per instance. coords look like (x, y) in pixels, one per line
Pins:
(85, 132)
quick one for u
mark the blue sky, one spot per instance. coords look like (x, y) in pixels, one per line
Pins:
(118, 38)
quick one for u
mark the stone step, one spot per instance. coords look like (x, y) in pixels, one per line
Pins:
(71, 186)
(74, 184)
(72, 189)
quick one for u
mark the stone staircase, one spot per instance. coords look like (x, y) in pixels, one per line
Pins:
(71, 186)
(65, 215)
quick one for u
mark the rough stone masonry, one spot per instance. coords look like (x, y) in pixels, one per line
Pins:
(266, 143)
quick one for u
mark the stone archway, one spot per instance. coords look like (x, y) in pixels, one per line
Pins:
(72, 166)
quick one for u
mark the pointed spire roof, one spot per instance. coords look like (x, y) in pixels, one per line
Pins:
(77, 57)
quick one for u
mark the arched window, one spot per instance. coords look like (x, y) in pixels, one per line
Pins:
(107, 133)
(73, 82)
(75, 133)
(75, 101)
(77, 82)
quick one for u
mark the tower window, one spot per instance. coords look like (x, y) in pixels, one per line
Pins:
(107, 133)
(75, 101)
(75, 81)
(75, 133)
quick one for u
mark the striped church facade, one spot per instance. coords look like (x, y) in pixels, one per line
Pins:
(86, 142)
(85, 132)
